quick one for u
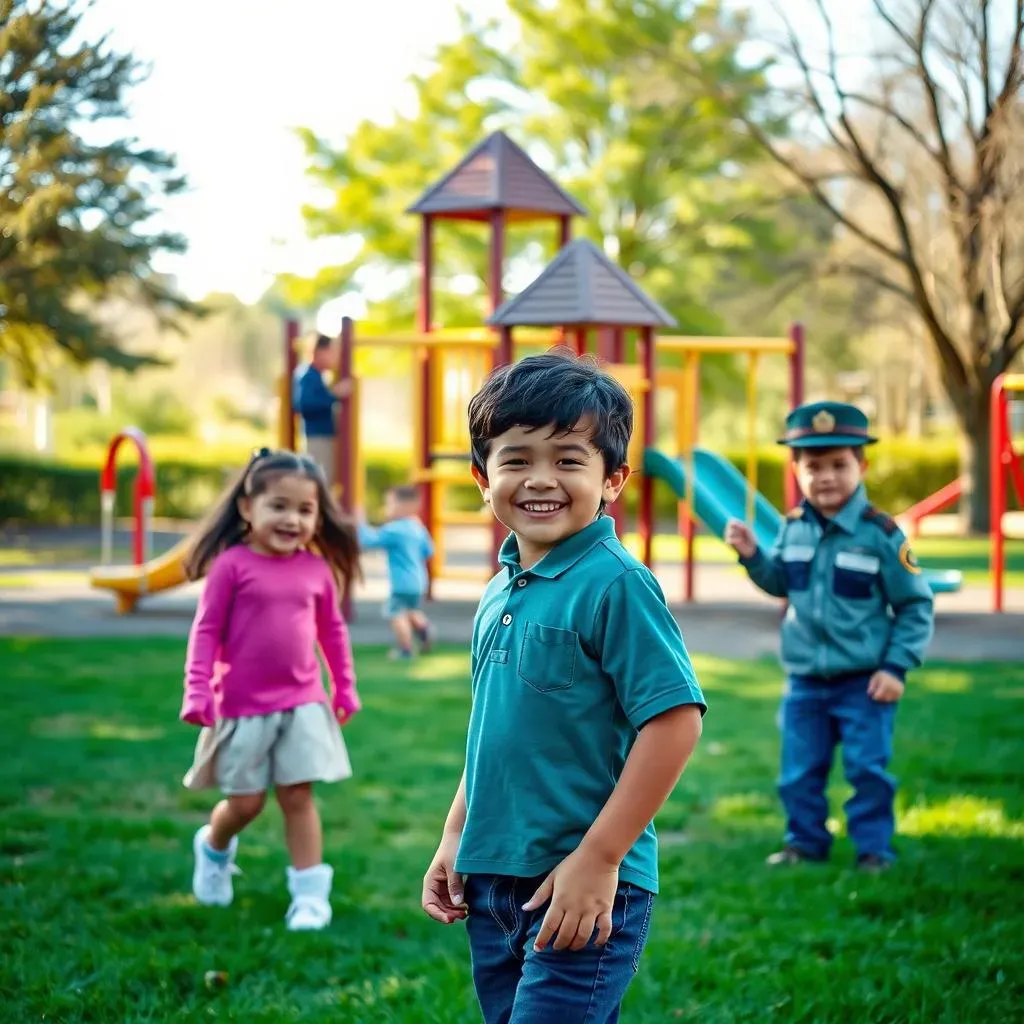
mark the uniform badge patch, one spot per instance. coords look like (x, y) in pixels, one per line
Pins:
(824, 422)
(908, 559)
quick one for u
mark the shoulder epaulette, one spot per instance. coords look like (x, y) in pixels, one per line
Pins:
(882, 520)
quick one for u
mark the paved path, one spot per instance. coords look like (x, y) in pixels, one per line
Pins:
(733, 619)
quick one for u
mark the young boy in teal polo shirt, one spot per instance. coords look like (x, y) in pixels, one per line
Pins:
(859, 618)
(585, 710)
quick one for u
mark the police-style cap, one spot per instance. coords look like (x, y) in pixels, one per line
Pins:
(826, 425)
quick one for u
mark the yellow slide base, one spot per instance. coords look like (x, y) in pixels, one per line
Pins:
(131, 582)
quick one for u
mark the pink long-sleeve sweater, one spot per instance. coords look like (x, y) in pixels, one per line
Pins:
(253, 645)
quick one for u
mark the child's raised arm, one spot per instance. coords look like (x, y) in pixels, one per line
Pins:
(764, 569)
(332, 635)
(204, 641)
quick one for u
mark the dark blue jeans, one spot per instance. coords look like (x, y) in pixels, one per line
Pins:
(516, 985)
(816, 717)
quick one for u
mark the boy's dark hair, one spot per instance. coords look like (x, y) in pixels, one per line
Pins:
(857, 449)
(335, 539)
(556, 389)
(322, 342)
(406, 492)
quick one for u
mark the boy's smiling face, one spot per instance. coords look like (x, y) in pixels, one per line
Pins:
(545, 487)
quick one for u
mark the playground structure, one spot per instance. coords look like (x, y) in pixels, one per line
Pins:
(581, 299)
(129, 583)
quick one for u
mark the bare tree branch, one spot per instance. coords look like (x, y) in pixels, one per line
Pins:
(958, 63)
(797, 52)
(813, 186)
(908, 258)
(1013, 338)
(986, 59)
(840, 268)
(1012, 79)
(905, 37)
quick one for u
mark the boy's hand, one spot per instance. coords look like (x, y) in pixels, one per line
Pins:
(740, 538)
(885, 687)
(443, 898)
(342, 388)
(582, 892)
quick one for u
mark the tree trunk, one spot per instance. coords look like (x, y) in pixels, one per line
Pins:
(975, 467)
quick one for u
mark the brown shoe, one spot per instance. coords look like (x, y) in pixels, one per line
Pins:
(873, 864)
(790, 855)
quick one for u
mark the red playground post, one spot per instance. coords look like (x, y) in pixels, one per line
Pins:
(1004, 463)
(145, 492)
(286, 432)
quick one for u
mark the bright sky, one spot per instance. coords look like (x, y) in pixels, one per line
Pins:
(232, 78)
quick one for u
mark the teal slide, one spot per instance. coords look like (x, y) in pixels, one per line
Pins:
(721, 494)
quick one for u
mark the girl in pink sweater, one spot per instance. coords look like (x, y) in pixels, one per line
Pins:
(274, 553)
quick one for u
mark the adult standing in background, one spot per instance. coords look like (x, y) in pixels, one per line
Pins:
(316, 404)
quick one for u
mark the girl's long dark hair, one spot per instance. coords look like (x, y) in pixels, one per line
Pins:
(335, 540)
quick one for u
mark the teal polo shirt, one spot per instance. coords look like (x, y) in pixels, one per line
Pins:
(570, 659)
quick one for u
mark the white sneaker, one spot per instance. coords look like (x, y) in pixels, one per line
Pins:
(310, 889)
(211, 880)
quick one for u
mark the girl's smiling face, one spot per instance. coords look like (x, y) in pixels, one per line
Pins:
(282, 518)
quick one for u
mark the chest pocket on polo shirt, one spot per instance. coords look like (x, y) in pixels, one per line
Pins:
(855, 574)
(796, 561)
(547, 659)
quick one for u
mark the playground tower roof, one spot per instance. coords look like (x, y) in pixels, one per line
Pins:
(496, 174)
(582, 287)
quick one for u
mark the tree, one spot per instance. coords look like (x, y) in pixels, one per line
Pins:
(74, 202)
(926, 175)
(667, 183)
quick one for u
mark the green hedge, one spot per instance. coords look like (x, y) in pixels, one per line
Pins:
(49, 492)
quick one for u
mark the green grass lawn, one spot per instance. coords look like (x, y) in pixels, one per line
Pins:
(95, 861)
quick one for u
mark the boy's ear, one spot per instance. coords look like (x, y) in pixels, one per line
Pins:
(481, 482)
(614, 484)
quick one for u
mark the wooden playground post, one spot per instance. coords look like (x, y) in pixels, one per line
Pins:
(564, 230)
(345, 455)
(796, 398)
(286, 413)
(690, 527)
(646, 511)
(423, 374)
(346, 442)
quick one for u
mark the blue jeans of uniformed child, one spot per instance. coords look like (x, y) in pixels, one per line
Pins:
(818, 715)
(516, 985)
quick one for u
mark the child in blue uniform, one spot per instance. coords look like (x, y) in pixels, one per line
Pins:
(408, 546)
(859, 618)
(585, 711)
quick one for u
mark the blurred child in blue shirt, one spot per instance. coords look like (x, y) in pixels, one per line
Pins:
(408, 546)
